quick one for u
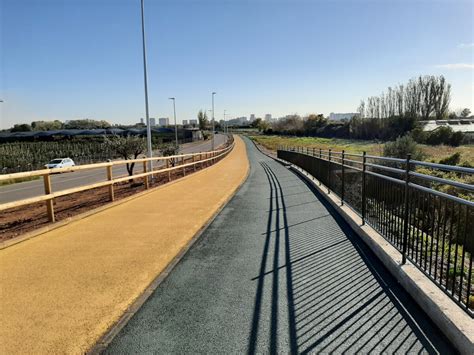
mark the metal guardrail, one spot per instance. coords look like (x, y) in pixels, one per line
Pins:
(171, 163)
(431, 228)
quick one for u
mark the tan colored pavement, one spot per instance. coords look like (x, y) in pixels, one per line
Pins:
(62, 290)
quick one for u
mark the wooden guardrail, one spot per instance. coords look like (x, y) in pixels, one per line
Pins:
(202, 158)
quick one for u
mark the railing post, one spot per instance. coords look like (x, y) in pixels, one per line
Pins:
(329, 171)
(320, 153)
(313, 151)
(406, 211)
(194, 164)
(111, 186)
(364, 160)
(167, 167)
(342, 178)
(182, 163)
(49, 203)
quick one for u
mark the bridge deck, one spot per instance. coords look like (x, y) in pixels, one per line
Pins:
(278, 271)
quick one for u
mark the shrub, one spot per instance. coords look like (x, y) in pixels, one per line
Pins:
(452, 159)
(401, 147)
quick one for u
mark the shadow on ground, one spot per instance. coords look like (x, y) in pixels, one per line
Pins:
(339, 297)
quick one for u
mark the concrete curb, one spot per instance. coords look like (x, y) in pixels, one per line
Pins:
(102, 344)
(455, 324)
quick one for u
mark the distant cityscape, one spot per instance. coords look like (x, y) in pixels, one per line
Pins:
(241, 121)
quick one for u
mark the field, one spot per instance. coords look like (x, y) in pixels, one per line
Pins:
(433, 153)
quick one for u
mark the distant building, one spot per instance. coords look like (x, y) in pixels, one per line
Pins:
(252, 118)
(464, 125)
(268, 117)
(152, 122)
(142, 121)
(185, 122)
(164, 121)
(193, 121)
(341, 116)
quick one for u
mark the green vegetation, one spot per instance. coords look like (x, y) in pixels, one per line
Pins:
(57, 125)
(24, 156)
(431, 153)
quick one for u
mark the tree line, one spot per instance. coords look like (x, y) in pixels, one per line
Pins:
(57, 125)
(386, 117)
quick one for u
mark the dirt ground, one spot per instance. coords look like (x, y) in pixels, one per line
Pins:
(17, 221)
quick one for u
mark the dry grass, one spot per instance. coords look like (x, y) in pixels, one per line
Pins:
(433, 153)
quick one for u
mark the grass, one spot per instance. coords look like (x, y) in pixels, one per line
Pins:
(14, 181)
(433, 153)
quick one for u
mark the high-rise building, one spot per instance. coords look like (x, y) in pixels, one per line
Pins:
(268, 117)
(163, 121)
(185, 122)
(252, 117)
(193, 122)
(142, 121)
(152, 121)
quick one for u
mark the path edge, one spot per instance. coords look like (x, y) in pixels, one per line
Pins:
(104, 341)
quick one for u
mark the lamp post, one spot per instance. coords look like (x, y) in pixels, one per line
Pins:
(148, 126)
(175, 124)
(225, 124)
(213, 125)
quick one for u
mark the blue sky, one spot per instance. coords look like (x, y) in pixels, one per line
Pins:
(69, 59)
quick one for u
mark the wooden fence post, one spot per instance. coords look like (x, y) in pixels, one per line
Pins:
(49, 203)
(167, 167)
(182, 163)
(145, 179)
(111, 186)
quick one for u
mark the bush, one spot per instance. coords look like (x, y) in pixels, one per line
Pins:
(452, 159)
(402, 147)
(445, 135)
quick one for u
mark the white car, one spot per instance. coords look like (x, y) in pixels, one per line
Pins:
(60, 163)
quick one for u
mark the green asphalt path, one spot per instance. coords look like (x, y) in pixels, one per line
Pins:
(278, 271)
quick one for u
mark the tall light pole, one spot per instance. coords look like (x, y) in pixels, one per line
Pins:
(175, 124)
(213, 125)
(148, 127)
(225, 124)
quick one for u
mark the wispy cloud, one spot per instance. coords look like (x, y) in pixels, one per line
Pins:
(455, 66)
(466, 45)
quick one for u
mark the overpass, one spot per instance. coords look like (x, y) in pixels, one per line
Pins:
(278, 270)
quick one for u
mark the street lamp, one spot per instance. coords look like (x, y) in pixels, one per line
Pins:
(225, 125)
(175, 125)
(148, 127)
(213, 126)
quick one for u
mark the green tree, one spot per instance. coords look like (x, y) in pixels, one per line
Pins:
(46, 125)
(127, 147)
(87, 124)
(203, 121)
(465, 112)
(22, 127)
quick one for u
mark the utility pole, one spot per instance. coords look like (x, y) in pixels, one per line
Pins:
(225, 123)
(213, 125)
(175, 124)
(148, 127)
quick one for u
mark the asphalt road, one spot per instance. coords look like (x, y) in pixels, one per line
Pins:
(19, 191)
(278, 271)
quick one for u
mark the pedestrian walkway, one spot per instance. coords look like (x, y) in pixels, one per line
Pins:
(279, 272)
(61, 290)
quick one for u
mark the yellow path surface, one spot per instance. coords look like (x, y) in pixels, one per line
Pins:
(62, 290)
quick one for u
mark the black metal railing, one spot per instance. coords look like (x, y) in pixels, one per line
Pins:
(428, 218)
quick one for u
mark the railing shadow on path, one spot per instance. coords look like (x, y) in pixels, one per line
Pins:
(339, 297)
